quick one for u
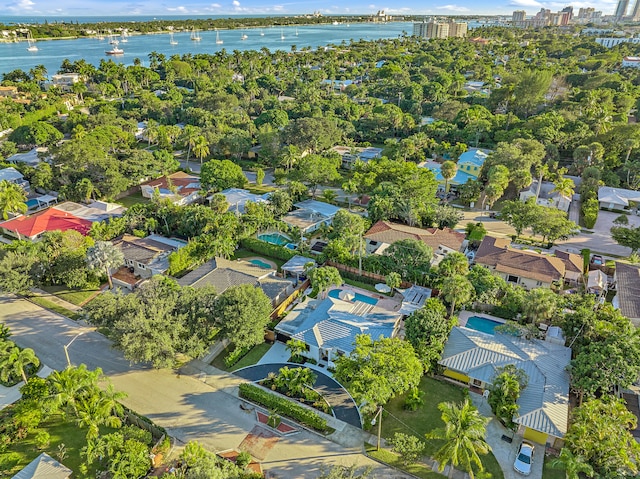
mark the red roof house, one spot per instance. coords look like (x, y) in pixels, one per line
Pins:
(31, 227)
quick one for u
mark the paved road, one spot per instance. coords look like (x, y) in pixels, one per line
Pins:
(344, 407)
(189, 408)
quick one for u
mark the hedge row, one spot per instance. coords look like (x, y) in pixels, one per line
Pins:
(267, 249)
(283, 406)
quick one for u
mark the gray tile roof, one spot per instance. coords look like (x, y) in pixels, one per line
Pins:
(44, 467)
(223, 274)
(628, 286)
(544, 403)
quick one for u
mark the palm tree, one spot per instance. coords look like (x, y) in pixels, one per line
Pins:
(16, 360)
(201, 148)
(189, 135)
(100, 408)
(12, 199)
(290, 156)
(564, 187)
(448, 170)
(463, 432)
(104, 255)
(455, 290)
(151, 131)
(573, 464)
(73, 384)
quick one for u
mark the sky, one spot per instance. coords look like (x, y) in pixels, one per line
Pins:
(276, 7)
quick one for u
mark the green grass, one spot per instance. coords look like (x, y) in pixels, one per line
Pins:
(135, 198)
(362, 285)
(550, 473)
(427, 418)
(260, 190)
(73, 296)
(245, 253)
(45, 303)
(391, 458)
(64, 432)
(252, 357)
(218, 361)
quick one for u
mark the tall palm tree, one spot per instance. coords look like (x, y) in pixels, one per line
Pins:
(12, 199)
(463, 432)
(104, 255)
(201, 148)
(16, 360)
(189, 135)
(448, 170)
(574, 465)
(72, 384)
(456, 290)
(100, 408)
(564, 187)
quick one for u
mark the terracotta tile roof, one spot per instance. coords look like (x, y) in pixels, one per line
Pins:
(387, 232)
(48, 220)
(628, 285)
(495, 253)
(184, 183)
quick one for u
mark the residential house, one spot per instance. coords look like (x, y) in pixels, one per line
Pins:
(44, 467)
(12, 93)
(329, 326)
(547, 196)
(618, 198)
(627, 298)
(474, 358)
(384, 233)
(238, 198)
(144, 258)
(469, 166)
(65, 81)
(310, 215)
(526, 268)
(222, 274)
(351, 155)
(62, 217)
(30, 158)
(631, 62)
(180, 188)
(12, 175)
(573, 266)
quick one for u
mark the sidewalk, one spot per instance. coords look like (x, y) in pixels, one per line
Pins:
(56, 300)
(10, 395)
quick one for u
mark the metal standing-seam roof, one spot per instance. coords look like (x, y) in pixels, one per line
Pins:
(628, 286)
(544, 403)
(44, 467)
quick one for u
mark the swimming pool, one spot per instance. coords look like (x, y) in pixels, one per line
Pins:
(335, 293)
(484, 325)
(32, 203)
(260, 263)
(274, 238)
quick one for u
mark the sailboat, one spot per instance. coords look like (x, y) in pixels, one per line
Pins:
(244, 36)
(218, 41)
(32, 43)
(115, 50)
(123, 37)
(171, 40)
(281, 34)
(296, 31)
(195, 36)
(261, 33)
(112, 40)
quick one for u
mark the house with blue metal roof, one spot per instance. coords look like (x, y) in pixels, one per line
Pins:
(469, 166)
(474, 358)
(329, 326)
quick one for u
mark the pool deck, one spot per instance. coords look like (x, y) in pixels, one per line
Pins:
(464, 316)
(384, 302)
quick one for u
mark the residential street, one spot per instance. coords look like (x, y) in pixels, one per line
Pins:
(186, 406)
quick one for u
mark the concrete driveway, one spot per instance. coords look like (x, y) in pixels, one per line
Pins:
(344, 407)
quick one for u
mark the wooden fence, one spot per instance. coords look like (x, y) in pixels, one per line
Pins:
(363, 274)
(281, 308)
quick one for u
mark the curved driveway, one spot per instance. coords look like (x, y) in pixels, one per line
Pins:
(344, 407)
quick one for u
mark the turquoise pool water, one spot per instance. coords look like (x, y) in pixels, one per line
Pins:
(334, 293)
(274, 238)
(483, 325)
(260, 263)
(32, 203)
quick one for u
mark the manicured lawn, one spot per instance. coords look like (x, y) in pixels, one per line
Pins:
(260, 190)
(360, 284)
(252, 357)
(391, 458)
(45, 303)
(64, 432)
(135, 198)
(74, 296)
(427, 418)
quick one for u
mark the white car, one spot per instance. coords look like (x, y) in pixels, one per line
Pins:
(524, 458)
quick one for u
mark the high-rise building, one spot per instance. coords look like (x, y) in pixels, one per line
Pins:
(621, 9)
(518, 16)
(434, 29)
(459, 29)
(635, 14)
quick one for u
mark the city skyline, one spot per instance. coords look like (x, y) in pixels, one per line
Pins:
(271, 7)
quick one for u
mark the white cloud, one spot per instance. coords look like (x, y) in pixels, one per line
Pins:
(372, 6)
(21, 6)
(236, 3)
(525, 3)
(215, 5)
(453, 8)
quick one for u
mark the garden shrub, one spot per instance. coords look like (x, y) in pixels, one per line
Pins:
(284, 406)
(590, 210)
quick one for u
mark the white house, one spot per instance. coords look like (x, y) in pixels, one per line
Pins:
(547, 197)
(631, 62)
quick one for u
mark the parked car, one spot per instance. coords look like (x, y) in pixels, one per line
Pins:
(524, 458)
(597, 260)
